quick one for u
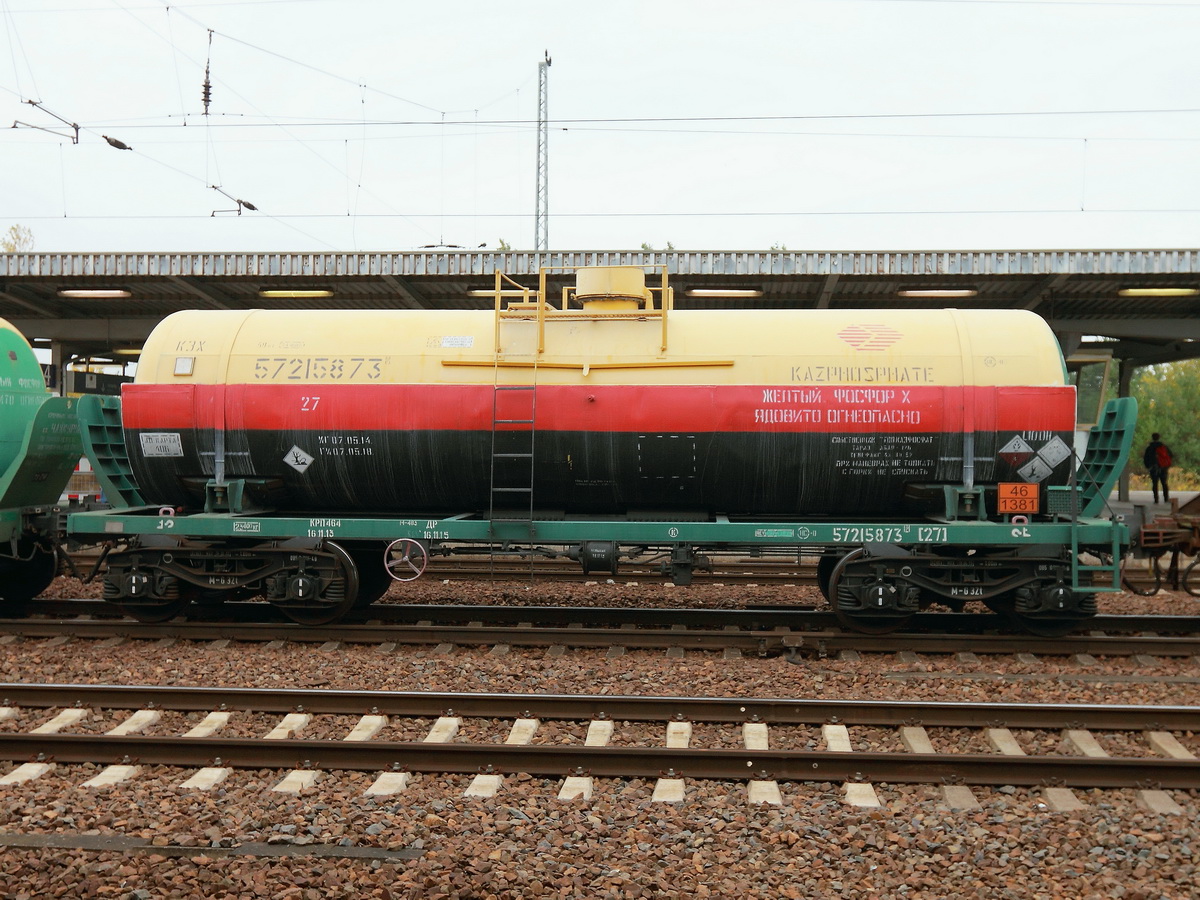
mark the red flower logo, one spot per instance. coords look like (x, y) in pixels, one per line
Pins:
(869, 337)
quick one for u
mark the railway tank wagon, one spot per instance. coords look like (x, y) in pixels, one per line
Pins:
(280, 450)
(39, 449)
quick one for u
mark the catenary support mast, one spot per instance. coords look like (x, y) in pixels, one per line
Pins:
(541, 216)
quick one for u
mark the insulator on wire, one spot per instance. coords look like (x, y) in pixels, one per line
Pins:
(206, 91)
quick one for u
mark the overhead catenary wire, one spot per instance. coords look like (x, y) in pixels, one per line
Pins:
(207, 181)
(362, 86)
(10, 28)
(1082, 4)
(312, 136)
(522, 126)
(362, 164)
(121, 145)
(175, 61)
(498, 132)
(694, 214)
(444, 120)
(153, 5)
(343, 78)
(660, 120)
(413, 218)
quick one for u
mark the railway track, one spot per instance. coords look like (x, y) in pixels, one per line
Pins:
(30, 734)
(795, 616)
(754, 631)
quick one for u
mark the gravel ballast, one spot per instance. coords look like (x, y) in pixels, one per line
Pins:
(526, 843)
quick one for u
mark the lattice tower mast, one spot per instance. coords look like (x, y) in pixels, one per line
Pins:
(541, 215)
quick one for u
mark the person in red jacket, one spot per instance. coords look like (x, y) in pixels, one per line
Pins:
(1157, 460)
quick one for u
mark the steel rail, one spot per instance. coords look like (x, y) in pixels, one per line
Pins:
(625, 708)
(799, 617)
(463, 635)
(994, 644)
(794, 765)
(524, 635)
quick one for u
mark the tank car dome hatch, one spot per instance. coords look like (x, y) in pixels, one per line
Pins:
(612, 288)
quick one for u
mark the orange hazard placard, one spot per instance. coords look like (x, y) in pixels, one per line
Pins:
(1016, 497)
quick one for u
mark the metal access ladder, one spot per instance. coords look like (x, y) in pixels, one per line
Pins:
(1108, 451)
(514, 406)
(104, 444)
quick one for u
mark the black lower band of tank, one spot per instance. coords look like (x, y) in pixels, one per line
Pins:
(588, 472)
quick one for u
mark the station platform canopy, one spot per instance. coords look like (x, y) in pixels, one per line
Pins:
(1139, 306)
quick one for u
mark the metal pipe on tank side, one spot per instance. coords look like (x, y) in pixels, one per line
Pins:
(219, 456)
(967, 355)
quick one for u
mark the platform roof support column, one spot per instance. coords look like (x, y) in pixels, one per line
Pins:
(59, 356)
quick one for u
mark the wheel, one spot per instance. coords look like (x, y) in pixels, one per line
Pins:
(1191, 587)
(337, 599)
(406, 559)
(1005, 606)
(156, 611)
(15, 606)
(144, 592)
(871, 624)
(864, 623)
(825, 566)
(1148, 580)
(374, 580)
(23, 579)
(1048, 627)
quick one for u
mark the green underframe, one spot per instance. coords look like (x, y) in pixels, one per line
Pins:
(1084, 532)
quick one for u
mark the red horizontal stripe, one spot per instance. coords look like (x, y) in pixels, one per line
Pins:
(622, 408)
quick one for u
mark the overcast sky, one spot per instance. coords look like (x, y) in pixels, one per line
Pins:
(745, 124)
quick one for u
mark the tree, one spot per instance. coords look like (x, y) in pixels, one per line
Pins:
(1168, 399)
(18, 239)
(504, 246)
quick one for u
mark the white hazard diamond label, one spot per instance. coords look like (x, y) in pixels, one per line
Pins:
(297, 459)
(1054, 452)
(1016, 451)
(1035, 470)
(1016, 445)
